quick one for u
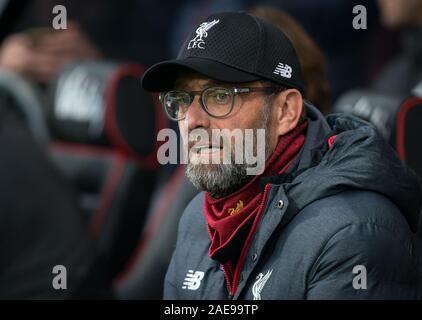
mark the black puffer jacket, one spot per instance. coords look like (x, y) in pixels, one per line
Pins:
(346, 212)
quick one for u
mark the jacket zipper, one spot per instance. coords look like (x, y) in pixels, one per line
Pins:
(227, 277)
(239, 266)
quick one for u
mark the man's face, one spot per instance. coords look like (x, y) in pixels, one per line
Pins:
(399, 13)
(251, 111)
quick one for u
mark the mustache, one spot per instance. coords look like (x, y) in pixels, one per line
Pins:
(211, 143)
(206, 138)
(220, 139)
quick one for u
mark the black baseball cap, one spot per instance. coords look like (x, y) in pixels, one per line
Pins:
(231, 47)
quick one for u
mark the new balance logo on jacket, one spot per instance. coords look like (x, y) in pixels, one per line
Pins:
(193, 280)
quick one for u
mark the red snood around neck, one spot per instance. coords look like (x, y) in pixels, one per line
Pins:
(229, 219)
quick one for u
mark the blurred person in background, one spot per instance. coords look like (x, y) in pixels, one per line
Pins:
(311, 58)
(110, 30)
(39, 54)
(34, 50)
(405, 71)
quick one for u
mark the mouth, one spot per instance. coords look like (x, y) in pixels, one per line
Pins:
(206, 149)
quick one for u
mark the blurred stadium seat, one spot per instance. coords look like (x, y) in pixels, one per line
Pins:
(41, 225)
(104, 130)
(24, 99)
(397, 118)
(143, 277)
(379, 109)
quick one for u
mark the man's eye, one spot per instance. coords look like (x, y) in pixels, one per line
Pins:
(178, 100)
(221, 97)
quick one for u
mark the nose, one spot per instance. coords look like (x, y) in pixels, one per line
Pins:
(196, 117)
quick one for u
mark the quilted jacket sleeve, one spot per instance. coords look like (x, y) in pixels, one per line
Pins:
(367, 261)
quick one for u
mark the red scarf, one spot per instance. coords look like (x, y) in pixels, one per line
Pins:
(230, 219)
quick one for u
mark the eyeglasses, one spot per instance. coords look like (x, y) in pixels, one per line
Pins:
(218, 102)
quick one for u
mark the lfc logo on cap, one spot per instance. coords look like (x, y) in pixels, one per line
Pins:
(201, 32)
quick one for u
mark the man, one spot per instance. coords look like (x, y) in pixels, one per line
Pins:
(329, 216)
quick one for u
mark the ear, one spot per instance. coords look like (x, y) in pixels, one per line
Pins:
(288, 106)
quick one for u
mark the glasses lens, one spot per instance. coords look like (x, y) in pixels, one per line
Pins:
(218, 101)
(176, 103)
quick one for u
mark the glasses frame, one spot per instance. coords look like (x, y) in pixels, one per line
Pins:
(234, 91)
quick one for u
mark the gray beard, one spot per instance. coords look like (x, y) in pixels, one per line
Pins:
(221, 180)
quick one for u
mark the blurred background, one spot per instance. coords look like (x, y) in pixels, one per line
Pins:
(80, 185)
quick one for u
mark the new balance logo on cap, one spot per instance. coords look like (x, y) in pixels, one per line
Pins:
(193, 280)
(283, 70)
(201, 33)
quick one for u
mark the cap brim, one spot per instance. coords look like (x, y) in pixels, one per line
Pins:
(161, 76)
